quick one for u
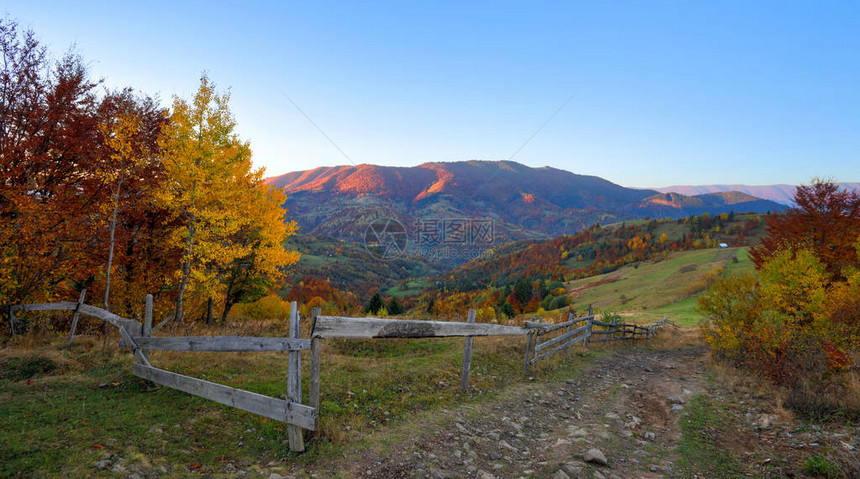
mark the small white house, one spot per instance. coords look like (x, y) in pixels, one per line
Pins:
(724, 245)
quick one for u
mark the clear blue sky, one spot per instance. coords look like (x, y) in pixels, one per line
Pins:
(663, 92)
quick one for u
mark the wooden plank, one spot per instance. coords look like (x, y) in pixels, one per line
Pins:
(340, 327)
(58, 306)
(131, 344)
(545, 328)
(558, 348)
(560, 338)
(105, 315)
(75, 317)
(222, 343)
(294, 379)
(316, 347)
(467, 356)
(277, 409)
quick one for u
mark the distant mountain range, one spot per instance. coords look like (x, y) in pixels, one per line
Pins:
(522, 202)
(782, 194)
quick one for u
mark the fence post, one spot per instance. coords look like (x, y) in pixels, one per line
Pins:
(467, 356)
(590, 323)
(569, 328)
(75, 317)
(529, 341)
(294, 380)
(147, 323)
(314, 393)
(12, 320)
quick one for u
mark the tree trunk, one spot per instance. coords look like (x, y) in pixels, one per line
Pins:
(112, 244)
(228, 303)
(209, 311)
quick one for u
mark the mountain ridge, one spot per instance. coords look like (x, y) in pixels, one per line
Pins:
(779, 193)
(522, 202)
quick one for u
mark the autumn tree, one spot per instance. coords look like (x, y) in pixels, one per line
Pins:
(50, 147)
(217, 196)
(825, 220)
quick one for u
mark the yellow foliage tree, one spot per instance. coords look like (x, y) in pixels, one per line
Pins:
(218, 196)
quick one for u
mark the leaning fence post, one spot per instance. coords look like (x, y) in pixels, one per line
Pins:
(147, 323)
(314, 393)
(467, 356)
(294, 380)
(75, 317)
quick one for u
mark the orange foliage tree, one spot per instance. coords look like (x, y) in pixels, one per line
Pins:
(825, 220)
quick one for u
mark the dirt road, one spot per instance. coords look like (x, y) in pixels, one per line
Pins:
(626, 406)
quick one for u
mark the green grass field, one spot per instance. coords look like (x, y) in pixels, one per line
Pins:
(666, 287)
(62, 410)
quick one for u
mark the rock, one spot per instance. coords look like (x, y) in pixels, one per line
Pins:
(560, 474)
(505, 445)
(676, 400)
(493, 435)
(485, 475)
(595, 456)
(654, 468)
(103, 464)
(495, 456)
(574, 431)
(574, 469)
(612, 415)
(676, 408)
(275, 475)
(650, 436)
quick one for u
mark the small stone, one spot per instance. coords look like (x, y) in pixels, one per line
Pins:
(485, 475)
(611, 415)
(560, 474)
(495, 456)
(676, 400)
(595, 456)
(654, 468)
(493, 436)
(677, 408)
(505, 445)
(650, 436)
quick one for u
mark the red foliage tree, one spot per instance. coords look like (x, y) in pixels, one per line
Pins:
(826, 220)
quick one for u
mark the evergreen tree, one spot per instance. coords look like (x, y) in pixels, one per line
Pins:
(374, 305)
(508, 310)
(394, 308)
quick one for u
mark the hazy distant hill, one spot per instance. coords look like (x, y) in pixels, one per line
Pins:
(779, 193)
(523, 202)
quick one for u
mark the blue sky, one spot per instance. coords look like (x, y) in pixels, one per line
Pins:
(662, 93)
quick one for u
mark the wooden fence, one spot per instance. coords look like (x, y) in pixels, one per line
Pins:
(138, 338)
(543, 341)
